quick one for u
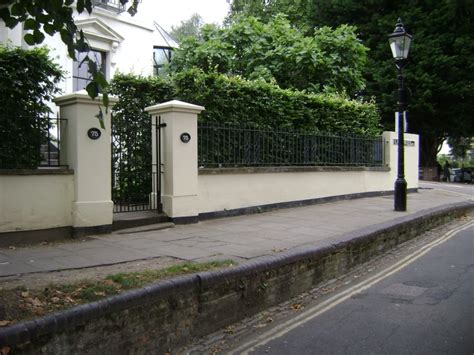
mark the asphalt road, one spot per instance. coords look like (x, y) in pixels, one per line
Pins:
(425, 305)
(453, 188)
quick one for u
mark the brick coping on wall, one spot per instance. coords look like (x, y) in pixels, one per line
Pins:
(288, 169)
(39, 171)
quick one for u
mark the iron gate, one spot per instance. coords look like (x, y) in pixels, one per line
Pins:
(136, 179)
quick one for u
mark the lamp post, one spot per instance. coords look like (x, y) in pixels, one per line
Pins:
(400, 42)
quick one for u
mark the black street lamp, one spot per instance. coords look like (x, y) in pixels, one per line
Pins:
(400, 42)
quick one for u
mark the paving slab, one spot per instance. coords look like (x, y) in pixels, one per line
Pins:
(241, 237)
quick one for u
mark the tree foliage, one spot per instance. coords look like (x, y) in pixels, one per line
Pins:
(440, 74)
(328, 60)
(40, 17)
(28, 79)
(460, 146)
(188, 28)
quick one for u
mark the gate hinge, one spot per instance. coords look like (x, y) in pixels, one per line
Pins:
(161, 125)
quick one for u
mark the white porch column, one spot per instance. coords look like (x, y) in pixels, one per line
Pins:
(179, 158)
(91, 160)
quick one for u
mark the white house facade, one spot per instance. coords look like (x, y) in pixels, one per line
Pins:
(119, 42)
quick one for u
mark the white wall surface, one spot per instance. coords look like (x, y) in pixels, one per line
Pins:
(29, 202)
(218, 192)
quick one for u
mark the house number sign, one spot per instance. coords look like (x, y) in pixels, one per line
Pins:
(185, 137)
(94, 133)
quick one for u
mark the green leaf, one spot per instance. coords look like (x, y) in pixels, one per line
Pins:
(30, 24)
(100, 116)
(92, 90)
(30, 39)
(39, 36)
(49, 29)
(11, 22)
(88, 6)
(80, 6)
(4, 14)
(17, 9)
(105, 101)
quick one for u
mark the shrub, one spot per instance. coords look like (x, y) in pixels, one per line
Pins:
(233, 99)
(28, 80)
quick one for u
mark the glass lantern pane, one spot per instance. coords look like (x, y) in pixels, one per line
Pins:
(406, 46)
(400, 45)
(396, 48)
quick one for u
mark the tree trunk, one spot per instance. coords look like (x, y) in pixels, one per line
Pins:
(429, 150)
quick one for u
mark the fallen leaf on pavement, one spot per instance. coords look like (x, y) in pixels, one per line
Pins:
(296, 306)
(36, 302)
(327, 289)
(70, 300)
(229, 329)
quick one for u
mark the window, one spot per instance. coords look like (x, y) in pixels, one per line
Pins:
(110, 5)
(80, 71)
(161, 57)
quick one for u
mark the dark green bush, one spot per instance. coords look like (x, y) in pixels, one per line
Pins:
(232, 99)
(28, 80)
(131, 135)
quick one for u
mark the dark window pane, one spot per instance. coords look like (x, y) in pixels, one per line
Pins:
(80, 73)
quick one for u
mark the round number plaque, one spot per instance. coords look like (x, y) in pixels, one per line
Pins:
(94, 133)
(185, 137)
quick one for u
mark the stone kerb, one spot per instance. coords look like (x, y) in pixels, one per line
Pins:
(179, 157)
(88, 153)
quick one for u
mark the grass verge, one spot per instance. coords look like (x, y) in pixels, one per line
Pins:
(22, 303)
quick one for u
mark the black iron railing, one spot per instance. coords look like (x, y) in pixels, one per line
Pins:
(111, 5)
(229, 145)
(31, 142)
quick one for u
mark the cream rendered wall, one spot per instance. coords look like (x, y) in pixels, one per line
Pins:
(218, 192)
(29, 202)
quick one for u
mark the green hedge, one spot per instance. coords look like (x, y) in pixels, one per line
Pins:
(232, 99)
(28, 80)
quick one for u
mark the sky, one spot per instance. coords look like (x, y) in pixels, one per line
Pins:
(171, 13)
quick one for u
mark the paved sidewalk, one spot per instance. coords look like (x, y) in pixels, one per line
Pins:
(239, 238)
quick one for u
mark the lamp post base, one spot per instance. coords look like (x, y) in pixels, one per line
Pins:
(400, 195)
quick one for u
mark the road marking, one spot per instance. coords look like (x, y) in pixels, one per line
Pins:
(471, 196)
(333, 301)
(440, 184)
(457, 193)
